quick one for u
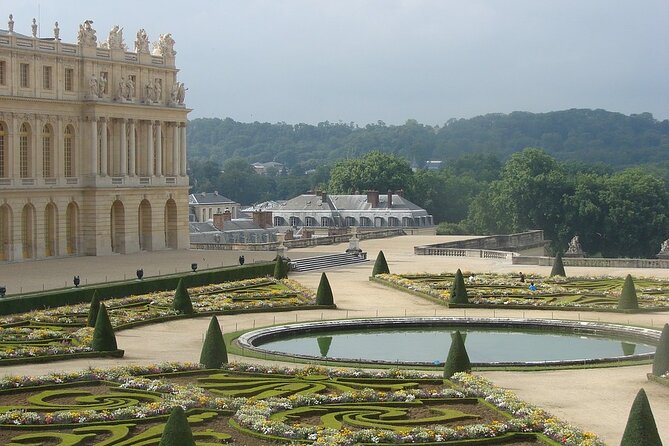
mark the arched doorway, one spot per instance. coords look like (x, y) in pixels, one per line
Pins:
(117, 229)
(28, 231)
(6, 233)
(50, 230)
(72, 228)
(145, 226)
(171, 239)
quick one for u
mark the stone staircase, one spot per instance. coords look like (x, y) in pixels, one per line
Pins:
(326, 261)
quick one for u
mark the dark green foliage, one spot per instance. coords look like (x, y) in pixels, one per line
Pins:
(182, 302)
(104, 339)
(324, 294)
(93, 310)
(214, 353)
(380, 265)
(458, 359)
(661, 361)
(641, 429)
(280, 268)
(324, 343)
(628, 348)
(27, 302)
(459, 291)
(177, 430)
(558, 266)
(628, 300)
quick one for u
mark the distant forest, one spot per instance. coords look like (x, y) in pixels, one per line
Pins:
(576, 135)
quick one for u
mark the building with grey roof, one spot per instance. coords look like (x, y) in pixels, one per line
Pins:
(204, 205)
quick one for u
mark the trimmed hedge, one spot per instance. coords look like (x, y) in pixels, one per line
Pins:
(458, 359)
(628, 299)
(93, 310)
(324, 294)
(661, 360)
(459, 290)
(214, 353)
(177, 430)
(67, 296)
(380, 265)
(641, 428)
(182, 303)
(104, 339)
(558, 266)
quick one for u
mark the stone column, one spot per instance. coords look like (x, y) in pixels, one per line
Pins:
(182, 149)
(149, 148)
(123, 142)
(93, 146)
(103, 147)
(159, 149)
(132, 170)
(175, 149)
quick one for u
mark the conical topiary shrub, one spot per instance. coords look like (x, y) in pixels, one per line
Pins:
(458, 359)
(380, 265)
(214, 353)
(177, 431)
(324, 294)
(628, 300)
(641, 428)
(182, 302)
(558, 266)
(661, 361)
(324, 343)
(459, 291)
(104, 339)
(93, 309)
(280, 269)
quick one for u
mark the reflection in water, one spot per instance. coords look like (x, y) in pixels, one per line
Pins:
(628, 349)
(324, 345)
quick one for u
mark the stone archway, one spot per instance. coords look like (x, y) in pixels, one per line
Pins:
(145, 226)
(28, 228)
(171, 235)
(117, 229)
(50, 230)
(72, 228)
(6, 233)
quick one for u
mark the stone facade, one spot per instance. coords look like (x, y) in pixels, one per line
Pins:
(92, 146)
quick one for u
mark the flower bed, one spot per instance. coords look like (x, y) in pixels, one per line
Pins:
(505, 290)
(338, 407)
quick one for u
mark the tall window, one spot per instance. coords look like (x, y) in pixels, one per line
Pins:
(24, 75)
(69, 79)
(3, 152)
(3, 72)
(24, 151)
(68, 148)
(47, 152)
(47, 82)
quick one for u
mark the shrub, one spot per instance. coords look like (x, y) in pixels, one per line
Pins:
(641, 428)
(93, 310)
(458, 359)
(182, 302)
(628, 300)
(558, 266)
(214, 353)
(324, 294)
(459, 291)
(177, 431)
(104, 339)
(380, 265)
(661, 361)
(280, 269)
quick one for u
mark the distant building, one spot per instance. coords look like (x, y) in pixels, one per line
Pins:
(205, 205)
(262, 168)
(434, 165)
(223, 229)
(368, 210)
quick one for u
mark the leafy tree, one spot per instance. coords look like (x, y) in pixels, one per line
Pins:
(280, 268)
(324, 294)
(214, 353)
(459, 291)
(374, 171)
(457, 359)
(182, 303)
(104, 339)
(641, 428)
(380, 265)
(93, 309)
(628, 299)
(661, 360)
(177, 431)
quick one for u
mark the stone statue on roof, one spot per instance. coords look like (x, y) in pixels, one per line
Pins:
(142, 42)
(10, 23)
(115, 39)
(86, 36)
(165, 46)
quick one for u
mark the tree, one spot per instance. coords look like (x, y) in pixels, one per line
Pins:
(457, 359)
(177, 431)
(182, 303)
(459, 291)
(374, 171)
(641, 428)
(324, 294)
(214, 353)
(661, 360)
(93, 309)
(628, 299)
(380, 265)
(104, 339)
(280, 268)
(558, 266)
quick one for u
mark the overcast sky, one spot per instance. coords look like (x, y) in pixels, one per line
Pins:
(392, 60)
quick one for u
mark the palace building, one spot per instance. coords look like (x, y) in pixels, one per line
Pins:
(92, 145)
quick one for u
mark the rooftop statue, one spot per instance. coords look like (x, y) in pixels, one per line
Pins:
(87, 35)
(142, 42)
(115, 39)
(164, 46)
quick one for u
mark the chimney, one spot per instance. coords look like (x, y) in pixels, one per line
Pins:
(220, 219)
(262, 218)
(390, 199)
(324, 196)
(373, 198)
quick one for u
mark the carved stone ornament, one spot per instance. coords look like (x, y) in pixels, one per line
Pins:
(664, 250)
(142, 42)
(575, 249)
(86, 36)
(164, 46)
(115, 39)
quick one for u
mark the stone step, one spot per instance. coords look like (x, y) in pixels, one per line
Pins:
(326, 261)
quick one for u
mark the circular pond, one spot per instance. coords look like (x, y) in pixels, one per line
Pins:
(425, 341)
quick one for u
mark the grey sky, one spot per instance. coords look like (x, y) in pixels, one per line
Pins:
(391, 60)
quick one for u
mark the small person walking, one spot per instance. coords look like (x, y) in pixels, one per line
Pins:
(522, 276)
(241, 260)
(532, 287)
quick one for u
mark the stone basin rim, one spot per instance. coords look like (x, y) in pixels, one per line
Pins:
(248, 340)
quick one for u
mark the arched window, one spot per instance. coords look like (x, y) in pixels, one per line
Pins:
(25, 158)
(47, 152)
(3, 151)
(68, 151)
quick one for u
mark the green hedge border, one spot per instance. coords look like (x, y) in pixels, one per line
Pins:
(22, 303)
(658, 379)
(62, 357)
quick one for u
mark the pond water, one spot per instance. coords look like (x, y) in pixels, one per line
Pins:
(431, 345)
